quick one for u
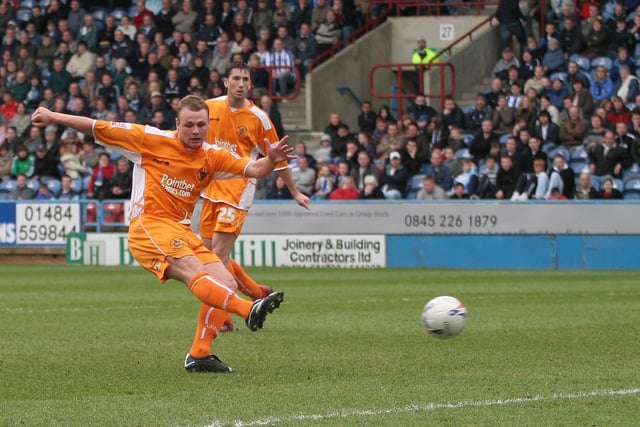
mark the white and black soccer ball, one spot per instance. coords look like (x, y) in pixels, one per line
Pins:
(444, 317)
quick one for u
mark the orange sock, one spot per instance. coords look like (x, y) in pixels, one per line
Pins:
(214, 294)
(209, 322)
(246, 284)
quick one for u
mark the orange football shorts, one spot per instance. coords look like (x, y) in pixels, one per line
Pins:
(219, 216)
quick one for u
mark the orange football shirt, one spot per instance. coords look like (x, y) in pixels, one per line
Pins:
(167, 178)
(241, 131)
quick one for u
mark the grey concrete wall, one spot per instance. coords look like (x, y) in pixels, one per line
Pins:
(393, 42)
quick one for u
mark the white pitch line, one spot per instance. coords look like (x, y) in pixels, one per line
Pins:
(424, 408)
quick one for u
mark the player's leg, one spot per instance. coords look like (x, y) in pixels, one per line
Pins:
(222, 244)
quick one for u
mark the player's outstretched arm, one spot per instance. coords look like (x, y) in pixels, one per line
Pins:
(302, 199)
(43, 117)
(278, 152)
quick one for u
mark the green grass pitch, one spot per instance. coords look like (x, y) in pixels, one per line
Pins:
(89, 346)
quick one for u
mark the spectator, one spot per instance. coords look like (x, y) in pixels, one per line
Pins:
(339, 143)
(627, 87)
(367, 144)
(121, 180)
(319, 14)
(23, 163)
(385, 113)
(66, 191)
(439, 171)
(547, 131)
(561, 178)
(573, 130)
(262, 16)
(284, 76)
(71, 161)
(364, 167)
(468, 171)
(44, 193)
(504, 117)
(624, 139)
(413, 158)
(279, 189)
(608, 192)
(533, 185)
(391, 141)
(585, 190)
(21, 120)
(22, 191)
(88, 33)
(323, 154)
(510, 18)
(143, 12)
(595, 133)
(623, 59)
(597, 40)
(601, 87)
(621, 36)
(324, 183)
(582, 98)
(420, 111)
(536, 81)
(394, 179)
(81, 62)
(46, 163)
(458, 192)
(306, 49)
(99, 183)
(553, 60)
(371, 189)
(268, 106)
(430, 190)
(478, 114)
(571, 41)
(608, 158)
(452, 114)
(6, 161)
(506, 179)
(422, 55)
(504, 64)
(557, 93)
(75, 17)
(619, 113)
(367, 117)
(303, 176)
(329, 32)
(346, 190)
(106, 35)
(480, 146)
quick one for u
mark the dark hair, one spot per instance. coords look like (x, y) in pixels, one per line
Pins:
(236, 65)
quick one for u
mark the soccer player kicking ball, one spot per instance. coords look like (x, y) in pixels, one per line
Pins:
(171, 169)
(238, 125)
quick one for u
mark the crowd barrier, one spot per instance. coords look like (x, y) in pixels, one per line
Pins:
(365, 234)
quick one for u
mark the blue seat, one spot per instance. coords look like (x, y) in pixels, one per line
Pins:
(119, 12)
(602, 61)
(76, 185)
(633, 172)
(579, 153)
(503, 138)
(463, 153)
(85, 182)
(468, 138)
(28, 3)
(99, 13)
(618, 184)
(632, 185)
(414, 184)
(33, 184)
(54, 186)
(583, 62)
(559, 76)
(565, 153)
(468, 108)
(578, 166)
(8, 185)
(24, 14)
(631, 195)
(44, 3)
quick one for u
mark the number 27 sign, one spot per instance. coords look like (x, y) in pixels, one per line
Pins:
(446, 32)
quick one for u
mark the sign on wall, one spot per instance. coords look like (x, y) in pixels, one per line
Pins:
(38, 224)
(99, 249)
(343, 251)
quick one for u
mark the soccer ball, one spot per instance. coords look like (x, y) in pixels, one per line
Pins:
(444, 317)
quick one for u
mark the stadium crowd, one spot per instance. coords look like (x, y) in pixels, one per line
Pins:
(561, 120)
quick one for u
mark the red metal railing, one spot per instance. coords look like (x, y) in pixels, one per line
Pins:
(468, 35)
(433, 8)
(420, 72)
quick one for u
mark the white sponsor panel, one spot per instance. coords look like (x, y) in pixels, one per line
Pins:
(362, 218)
(99, 249)
(343, 251)
(46, 223)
